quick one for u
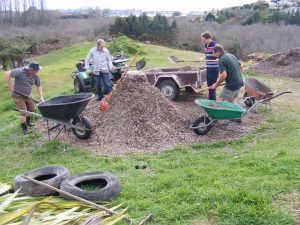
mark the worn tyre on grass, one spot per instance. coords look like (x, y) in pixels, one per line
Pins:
(51, 175)
(108, 186)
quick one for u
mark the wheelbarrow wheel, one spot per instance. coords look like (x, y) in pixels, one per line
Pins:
(84, 122)
(202, 121)
(250, 101)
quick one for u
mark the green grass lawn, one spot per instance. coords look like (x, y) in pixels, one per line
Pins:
(236, 182)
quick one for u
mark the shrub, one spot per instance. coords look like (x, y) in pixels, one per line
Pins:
(124, 44)
(235, 47)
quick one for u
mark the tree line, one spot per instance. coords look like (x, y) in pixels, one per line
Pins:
(258, 12)
(142, 28)
(23, 13)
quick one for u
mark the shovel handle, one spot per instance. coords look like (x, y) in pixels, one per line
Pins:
(196, 61)
(207, 88)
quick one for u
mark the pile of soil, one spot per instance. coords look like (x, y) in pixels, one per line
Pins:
(188, 68)
(280, 64)
(140, 119)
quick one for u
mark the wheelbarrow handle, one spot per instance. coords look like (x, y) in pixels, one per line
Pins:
(281, 93)
(266, 100)
(27, 96)
(27, 113)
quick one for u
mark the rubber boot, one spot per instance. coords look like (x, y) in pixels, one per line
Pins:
(24, 128)
(28, 122)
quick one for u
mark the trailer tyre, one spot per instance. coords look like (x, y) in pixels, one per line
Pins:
(78, 85)
(169, 89)
(202, 121)
(250, 101)
(84, 122)
(105, 186)
(51, 175)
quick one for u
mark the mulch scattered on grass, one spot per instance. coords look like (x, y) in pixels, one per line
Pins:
(281, 64)
(140, 119)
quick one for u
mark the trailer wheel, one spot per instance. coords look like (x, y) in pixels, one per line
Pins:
(250, 101)
(85, 122)
(169, 89)
(78, 85)
(202, 121)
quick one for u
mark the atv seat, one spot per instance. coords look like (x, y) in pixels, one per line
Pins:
(80, 67)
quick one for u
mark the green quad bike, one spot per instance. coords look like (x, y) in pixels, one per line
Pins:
(84, 82)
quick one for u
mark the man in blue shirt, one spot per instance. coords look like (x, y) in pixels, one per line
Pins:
(212, 68)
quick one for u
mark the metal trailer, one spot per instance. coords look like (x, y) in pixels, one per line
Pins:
(171, 80)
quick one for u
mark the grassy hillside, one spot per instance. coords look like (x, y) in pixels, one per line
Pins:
(58, 66)
(253, 180)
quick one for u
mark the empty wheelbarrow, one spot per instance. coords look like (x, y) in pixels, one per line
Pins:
(255, 90)
(222, 111)
(65, 112)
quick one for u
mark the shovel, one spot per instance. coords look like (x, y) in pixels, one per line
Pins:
(199, 91)
(174, 59)
(139, 65)
(104, 104)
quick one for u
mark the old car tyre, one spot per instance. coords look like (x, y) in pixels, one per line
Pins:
(108, 186)
(85, 122)
(51, 175)
(169, 89)
(202, 121)
(78, 85)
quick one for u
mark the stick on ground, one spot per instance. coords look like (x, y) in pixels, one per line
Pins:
(76, 197)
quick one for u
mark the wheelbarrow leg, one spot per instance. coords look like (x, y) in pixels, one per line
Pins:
(60, 129)
(48, 131)
(54, 127)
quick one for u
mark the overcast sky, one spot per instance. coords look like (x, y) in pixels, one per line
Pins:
(148, 5)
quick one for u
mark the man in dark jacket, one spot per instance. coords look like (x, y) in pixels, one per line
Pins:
(230, 73)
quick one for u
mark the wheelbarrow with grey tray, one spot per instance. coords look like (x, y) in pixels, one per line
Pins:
(64, 111)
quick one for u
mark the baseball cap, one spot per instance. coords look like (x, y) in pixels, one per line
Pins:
(34, 65)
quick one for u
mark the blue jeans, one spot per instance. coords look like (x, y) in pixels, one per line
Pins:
(212, 76)
(103, 78)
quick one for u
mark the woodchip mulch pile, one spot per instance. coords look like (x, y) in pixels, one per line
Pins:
(285, 64)
(140, 119)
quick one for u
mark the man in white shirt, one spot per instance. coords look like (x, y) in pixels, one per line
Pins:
(102, 64)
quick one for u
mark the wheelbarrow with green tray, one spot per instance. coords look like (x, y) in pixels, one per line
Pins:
(221, 111)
